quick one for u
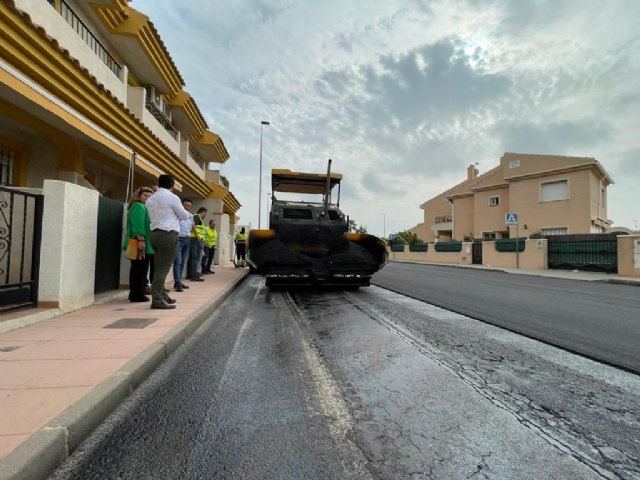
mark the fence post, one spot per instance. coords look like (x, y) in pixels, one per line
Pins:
(629, 255)
(67, 271)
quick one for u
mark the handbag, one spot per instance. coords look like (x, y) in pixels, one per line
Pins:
(132, 252)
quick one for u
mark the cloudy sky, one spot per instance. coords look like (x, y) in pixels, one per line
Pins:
(403, 95)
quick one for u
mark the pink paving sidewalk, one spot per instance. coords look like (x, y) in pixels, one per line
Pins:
(49, 366)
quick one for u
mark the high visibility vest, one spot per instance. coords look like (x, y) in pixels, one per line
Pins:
(199, 229)
(210, 237)
(241, 237)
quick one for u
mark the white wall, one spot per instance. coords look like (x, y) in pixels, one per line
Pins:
(67, 264)
(224, 250)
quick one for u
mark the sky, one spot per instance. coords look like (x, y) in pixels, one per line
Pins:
(404, 95)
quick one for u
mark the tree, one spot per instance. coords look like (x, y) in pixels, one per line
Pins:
(356, 228)
(405, 237)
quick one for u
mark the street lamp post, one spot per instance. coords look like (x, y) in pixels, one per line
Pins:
(262, 124)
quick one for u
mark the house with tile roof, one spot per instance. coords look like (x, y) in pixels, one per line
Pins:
(551, 194)
(89, 88)
(92, 106)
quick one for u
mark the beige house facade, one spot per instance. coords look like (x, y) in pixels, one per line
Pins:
(552, 195)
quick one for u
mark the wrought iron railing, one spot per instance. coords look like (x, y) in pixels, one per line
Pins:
(164, 121)
(20, 237)
(443, 219)
(196, 158)
(85, 33)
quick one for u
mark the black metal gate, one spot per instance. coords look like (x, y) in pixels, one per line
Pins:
(477, 252)
(591, 252)
(108, 245)
(20, 239)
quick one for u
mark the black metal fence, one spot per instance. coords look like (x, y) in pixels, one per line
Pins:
(591, 252)
(20, 240)
(477, 251)
(108, 245)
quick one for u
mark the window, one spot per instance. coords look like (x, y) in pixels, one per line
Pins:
(6, 166)
(494, 201)
(488, 235)
(554, 191)
(554, 231)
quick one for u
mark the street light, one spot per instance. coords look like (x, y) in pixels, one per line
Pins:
(262, 124)
(384, 225)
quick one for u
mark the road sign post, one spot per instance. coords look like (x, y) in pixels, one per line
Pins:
(512, 219)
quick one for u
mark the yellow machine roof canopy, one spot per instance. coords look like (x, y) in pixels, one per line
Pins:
(283, 180)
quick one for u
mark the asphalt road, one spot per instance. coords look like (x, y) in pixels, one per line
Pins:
(365, 385)
(598, 320)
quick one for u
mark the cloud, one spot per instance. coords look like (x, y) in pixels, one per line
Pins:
(553, 138)
(403, 96)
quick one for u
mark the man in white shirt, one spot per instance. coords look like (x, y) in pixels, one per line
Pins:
(165, 211)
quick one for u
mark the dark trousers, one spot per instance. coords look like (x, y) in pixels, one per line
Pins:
(165, 245)
(207, 258)
(138, 279)
(240, 251)
(195, 252)
(181, 259)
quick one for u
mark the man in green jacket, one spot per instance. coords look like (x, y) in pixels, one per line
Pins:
(210, 243)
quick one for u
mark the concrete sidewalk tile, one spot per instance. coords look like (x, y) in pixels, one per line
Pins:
(50, 350)
(153, 332)
(67, 321)
(25, 411)
(53, 333)
(56, 373)
(116, 348)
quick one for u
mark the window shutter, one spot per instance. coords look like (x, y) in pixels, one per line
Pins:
(554, 191)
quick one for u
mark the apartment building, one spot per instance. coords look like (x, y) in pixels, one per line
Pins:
(552, 194)
(87, 90)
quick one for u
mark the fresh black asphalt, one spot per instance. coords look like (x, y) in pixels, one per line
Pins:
(595, 319)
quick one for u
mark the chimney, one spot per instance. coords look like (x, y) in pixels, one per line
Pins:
(472, 171)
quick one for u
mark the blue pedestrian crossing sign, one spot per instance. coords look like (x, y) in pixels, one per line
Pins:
(511, 219)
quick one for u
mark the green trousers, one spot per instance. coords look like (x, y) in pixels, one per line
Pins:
(165, 245)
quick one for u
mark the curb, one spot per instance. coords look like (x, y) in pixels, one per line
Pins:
(48, 448)
(619, 281)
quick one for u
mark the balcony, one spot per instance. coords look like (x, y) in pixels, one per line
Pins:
(72, 32)
(160, 117)
(85, 33)
(443, 224)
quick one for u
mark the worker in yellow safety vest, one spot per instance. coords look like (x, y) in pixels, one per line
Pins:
(196, 245)
(210, 243)
(241, 242)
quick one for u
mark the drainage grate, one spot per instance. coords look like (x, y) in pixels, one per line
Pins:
(10, 348)
(131, 323)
